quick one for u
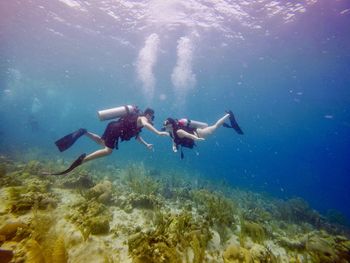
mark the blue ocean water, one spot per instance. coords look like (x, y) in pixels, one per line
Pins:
(283, 67)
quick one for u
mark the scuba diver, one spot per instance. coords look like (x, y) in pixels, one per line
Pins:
(185, 132)
(129, 125)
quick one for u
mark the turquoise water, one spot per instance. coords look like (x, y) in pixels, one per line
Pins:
(282, 67)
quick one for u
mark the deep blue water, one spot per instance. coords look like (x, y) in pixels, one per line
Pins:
(282, 67)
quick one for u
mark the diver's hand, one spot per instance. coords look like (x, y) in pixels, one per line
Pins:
(149, 146)
(200, 139)
(163, 133)
(174, 149)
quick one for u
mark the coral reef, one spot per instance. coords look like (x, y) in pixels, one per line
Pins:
(80, 181)
(102, 192)
(219, 210)
(139, 181)
(147, 215)
(91, 217)
(254, 230)
(9, 230)
(237, 254)
(173, 234)
(35, 193)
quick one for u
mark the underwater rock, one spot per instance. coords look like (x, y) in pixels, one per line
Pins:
(101, 192)
(80, 181)
(277, 252)
(9, 229)
(214, 242)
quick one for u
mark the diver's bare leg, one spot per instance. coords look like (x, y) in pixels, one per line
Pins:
(97, 154)
(95, 138)
(204, 132)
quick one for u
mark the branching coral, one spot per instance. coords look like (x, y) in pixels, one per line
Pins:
(23, 198)
(173, 234)
(91, 217)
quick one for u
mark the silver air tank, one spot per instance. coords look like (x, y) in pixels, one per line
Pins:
(115, 112)
(192, 123)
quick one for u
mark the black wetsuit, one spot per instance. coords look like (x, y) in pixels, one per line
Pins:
(185, 142)
(125, 128)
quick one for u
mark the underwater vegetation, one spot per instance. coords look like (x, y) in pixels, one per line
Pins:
(90, 217)
(220, 211)
(140, 182)
(172, 234)
(135, 214)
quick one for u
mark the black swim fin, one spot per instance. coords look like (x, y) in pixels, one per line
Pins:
(234, 124)
(226, 125)
(74, 165)
(68, 140)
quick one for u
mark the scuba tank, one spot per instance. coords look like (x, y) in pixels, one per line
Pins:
(192, 123)
(116, 112)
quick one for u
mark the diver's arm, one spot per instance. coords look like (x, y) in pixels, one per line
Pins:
(142, 141)
(149, 127)
(183, 134)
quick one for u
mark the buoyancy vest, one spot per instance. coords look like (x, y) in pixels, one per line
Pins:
(128, 126)
(184, 142)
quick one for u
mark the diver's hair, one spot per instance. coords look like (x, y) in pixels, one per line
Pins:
(172, 122)
(148, 111)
